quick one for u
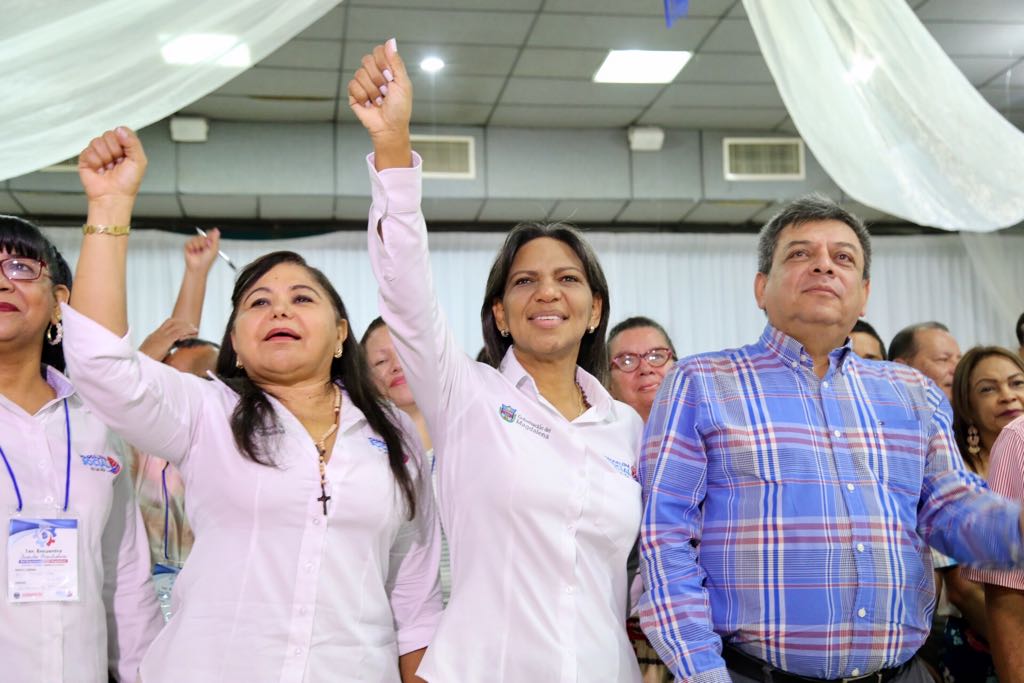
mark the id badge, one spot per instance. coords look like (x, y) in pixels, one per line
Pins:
(42, 560)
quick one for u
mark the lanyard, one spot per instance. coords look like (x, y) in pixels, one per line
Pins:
(167, 508)
(67, 470)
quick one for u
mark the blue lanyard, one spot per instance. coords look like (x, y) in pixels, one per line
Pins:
(167, 508)
(67, 469)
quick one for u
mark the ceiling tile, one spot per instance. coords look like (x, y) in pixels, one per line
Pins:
(979, 70)
(306, 54)
(787, 126)
(157, 206)
(451, 113)
(292, 207)
(516, 210)
(1002, 98)
(608, 32)
(563, 116)
(328, 27)
(978, 38)
(552, 91)
(586, 210)
(508, 5)
(697, 8)
(655, 211)
(462, 210)
(869, 214)
(351, 208)
(724, 68)
(273, 82)
(7, 203)
(439, 88)
(220, 206)
(52, 203)
(545, 62)
(231, 108)
(724, 212)
(720, 95)
(975, 10)
(459, 60)
(439, 26)
(732, 35)
(749, 118)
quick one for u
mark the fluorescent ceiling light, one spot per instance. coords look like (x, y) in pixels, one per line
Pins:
(207, 48)
(432, 64)
(641, 66)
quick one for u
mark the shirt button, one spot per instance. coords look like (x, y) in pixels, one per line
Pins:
(48, 499)
(570, 589)
(850, 487)
(862, 612)
(309, 566)
(860, 547)
(837, 433)
(303, 611)
(298, 651)
(571, 527)
(855, 672)
(824, 385)
(316, 521)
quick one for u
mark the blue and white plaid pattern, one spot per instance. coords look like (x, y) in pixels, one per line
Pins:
(791, 515)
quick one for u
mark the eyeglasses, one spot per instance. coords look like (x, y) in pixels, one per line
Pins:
(21, 268)
(629, 362)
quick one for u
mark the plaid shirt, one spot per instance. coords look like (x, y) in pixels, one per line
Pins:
(791, 515)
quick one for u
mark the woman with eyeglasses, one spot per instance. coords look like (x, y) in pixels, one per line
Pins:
(640, 351)
(316, 544)
(536, 462)
(79, 602)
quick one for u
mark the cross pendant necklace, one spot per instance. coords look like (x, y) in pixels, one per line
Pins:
(321, 450)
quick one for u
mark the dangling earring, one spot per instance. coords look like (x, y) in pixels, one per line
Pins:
(238, 362)
(973, 441)
(339, 351)
(504, 333)
(54, 333)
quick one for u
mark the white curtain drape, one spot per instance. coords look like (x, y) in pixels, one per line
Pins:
(70, 69)
(699, 286)
(888, 115)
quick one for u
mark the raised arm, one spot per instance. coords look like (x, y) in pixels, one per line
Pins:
(380, 95)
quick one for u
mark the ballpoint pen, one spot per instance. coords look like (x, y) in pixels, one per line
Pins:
(227, 259)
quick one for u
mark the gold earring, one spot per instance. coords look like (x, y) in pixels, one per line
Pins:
(973, 440)
(238, 362)
(504, 333)
(54, 333)
(339, 351)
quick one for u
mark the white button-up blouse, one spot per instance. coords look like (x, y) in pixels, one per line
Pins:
(540, 513)
(273, 590)
(116, 616)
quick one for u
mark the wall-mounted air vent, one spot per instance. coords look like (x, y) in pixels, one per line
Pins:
(763, 158)
(446, 156)
(66, 166)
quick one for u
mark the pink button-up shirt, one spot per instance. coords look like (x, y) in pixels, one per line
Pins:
(273, 590)
(540, 512)
(116, 616)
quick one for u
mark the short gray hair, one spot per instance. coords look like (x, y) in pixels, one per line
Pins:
(812, 207)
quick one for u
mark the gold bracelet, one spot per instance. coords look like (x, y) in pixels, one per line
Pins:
(116, 230)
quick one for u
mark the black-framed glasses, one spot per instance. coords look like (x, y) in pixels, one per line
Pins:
(629, 362)
(22, 268)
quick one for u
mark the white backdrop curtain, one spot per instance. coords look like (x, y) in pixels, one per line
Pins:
(70, 69)
(888, 114)
(699, 286)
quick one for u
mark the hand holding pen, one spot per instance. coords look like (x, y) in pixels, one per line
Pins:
(211, 241)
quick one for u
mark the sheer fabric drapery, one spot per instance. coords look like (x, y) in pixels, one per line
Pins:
(888, 114)
(699, 286)
(71, 69)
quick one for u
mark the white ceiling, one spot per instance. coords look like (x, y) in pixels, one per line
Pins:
(528, 63)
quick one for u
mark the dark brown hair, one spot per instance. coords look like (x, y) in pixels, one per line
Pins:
(254, 415)
(593, 353)
(963, 411)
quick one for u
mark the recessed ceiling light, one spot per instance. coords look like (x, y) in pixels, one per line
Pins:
(432, 64)
(641, 66)
(198, 48)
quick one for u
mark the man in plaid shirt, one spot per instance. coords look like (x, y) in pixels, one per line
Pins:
(791, 488)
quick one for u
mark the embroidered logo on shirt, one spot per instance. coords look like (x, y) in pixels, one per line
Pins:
(513, 416)
(508, 413)
(101, 463)
(379, 444)
(623, 468)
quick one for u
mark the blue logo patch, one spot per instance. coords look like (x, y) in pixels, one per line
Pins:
(623, 468)
(379, 444)
(101, 463)
(508, 413)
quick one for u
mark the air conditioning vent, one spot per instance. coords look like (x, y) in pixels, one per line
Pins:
(446, 156)
(66, 166)
(763, 158)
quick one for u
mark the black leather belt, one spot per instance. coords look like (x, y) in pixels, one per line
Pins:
(752, 667)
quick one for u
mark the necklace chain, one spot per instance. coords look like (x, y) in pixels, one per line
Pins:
(584, 402)
(321, 449)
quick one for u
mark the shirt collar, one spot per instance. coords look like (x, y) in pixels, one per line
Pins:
(601, 403)
(792, 352)
(59, 383)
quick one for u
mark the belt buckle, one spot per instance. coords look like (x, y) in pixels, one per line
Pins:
(875, 677)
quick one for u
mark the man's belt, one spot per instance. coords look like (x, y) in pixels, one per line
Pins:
(752, 667)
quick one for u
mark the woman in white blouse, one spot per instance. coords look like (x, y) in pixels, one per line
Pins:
(536, 462)
(65, 490)
(315, 555)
